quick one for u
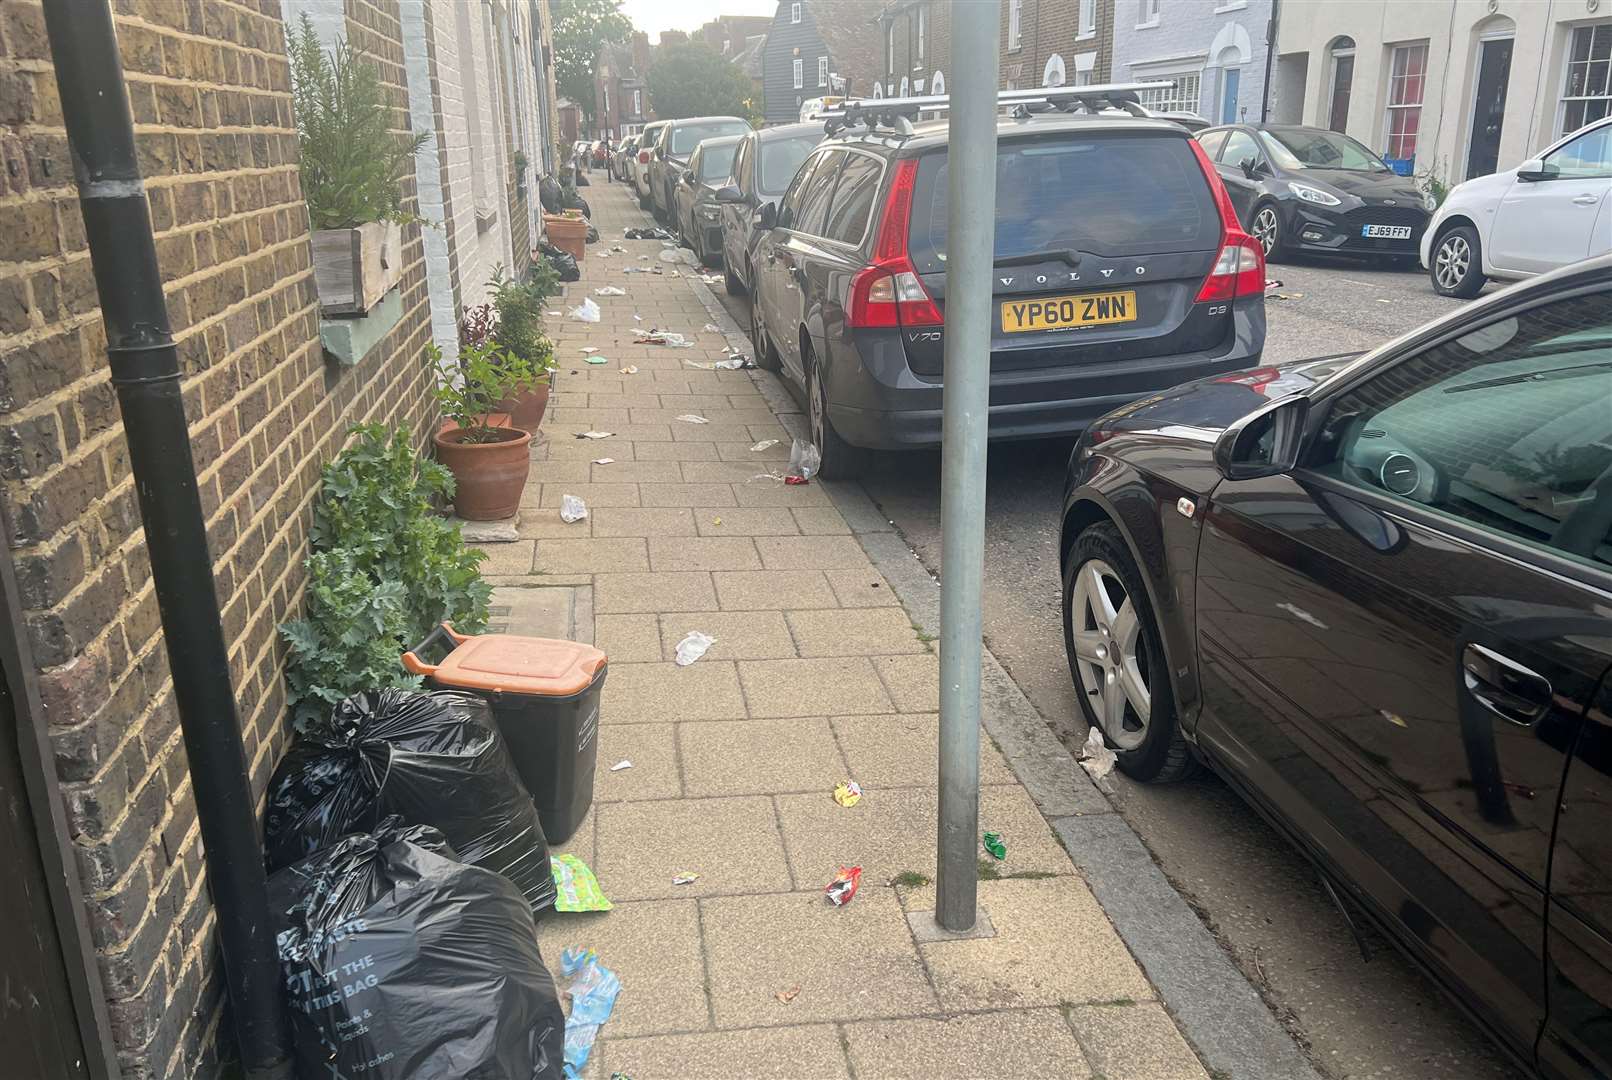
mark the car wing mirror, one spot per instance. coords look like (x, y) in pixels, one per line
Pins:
(767, 216)
(1266, 442)
(729, 193)
(1536, 169)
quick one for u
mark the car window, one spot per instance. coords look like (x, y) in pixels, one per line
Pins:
(847, 219)
(789, 207)
(1240, 146)
(1305, 148)
(780, 160)
(1114, 195)
(685, 137)
(716, 162)
(1212, 141)
(814, 200)
(1586, 157)
(741, 164)
(1507, 427)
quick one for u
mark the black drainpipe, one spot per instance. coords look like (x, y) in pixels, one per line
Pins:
(145, 372)
(1271, 27)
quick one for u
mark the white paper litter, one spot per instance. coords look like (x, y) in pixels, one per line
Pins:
(679, 255)
(610, 290)
(588, 350)
(638, 318)
(604, 461)
(692, 647)
(712, 328)
(587, 311)
(690, 418)
(595, 434)
(556, 314)
(572, 509)
(764, 444)
(622, 764)
(630, 369)
(1095, 757)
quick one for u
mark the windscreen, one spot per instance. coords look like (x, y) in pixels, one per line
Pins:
(780, 160)
(1111, 195)
(685, 137)
(1295, 148)
(716, 163)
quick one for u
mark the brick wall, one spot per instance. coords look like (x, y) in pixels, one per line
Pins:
(1053, 26)
(211, 99)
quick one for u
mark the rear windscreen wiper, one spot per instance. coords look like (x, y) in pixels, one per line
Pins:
(1067, 255)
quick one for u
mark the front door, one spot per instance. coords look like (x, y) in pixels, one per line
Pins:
(1228, 95)
(1397, 640)
(1343, 77)
(38, 1027)
(1489, 106)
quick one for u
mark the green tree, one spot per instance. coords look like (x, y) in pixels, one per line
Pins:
(693, 79)
(581, 29)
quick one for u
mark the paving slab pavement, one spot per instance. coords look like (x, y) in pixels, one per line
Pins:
(823, 665)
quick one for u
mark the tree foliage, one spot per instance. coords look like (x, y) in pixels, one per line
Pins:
(581, 29)
(693, 79)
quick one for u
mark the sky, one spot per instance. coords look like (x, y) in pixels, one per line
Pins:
(657, 15)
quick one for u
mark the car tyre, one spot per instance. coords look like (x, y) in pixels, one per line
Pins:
(1457, 268)
(643, 200)
(837, 459)
(1116, 657)
(766, 356)
(1266, 228)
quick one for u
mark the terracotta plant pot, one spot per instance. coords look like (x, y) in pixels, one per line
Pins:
(568, 234)
(488, 477)
(526, 408)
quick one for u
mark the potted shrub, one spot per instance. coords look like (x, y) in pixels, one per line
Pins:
(352, 168)
(514, 320)
(489, 463)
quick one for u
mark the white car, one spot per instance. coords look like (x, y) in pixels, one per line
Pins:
(1550, 211)
(640, 165)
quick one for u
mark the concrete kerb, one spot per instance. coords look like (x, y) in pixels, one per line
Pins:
(1216, 1007)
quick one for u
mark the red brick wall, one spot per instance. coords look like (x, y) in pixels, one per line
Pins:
(211, 99)
(1052, 26)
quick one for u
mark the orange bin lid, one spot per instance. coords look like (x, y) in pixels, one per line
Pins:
(544, 667)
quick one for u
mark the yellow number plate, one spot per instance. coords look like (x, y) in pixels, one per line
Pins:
(1063, 312)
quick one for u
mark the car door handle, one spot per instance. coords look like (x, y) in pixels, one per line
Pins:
(1587, 200)
(1506, 688)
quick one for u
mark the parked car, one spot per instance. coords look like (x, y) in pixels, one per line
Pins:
(646, 154)
(1375, 596)
(1309, 189)
(677, 141)
(695, 213)
(1189, 120)
(1551, 210)
(1151, 282)
(621, 160)
(763, 166)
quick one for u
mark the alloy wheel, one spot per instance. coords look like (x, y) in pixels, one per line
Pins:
(1451, 263)
(1110, 655)
(1266, 226)
(816, 403)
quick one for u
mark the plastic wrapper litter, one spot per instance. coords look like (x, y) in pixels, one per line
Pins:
(399, 961)
(432, 759)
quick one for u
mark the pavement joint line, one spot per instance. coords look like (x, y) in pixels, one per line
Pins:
(705, 964)
(783, 840)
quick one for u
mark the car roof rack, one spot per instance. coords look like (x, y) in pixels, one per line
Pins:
(895, 114)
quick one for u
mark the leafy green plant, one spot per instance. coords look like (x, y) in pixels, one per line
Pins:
(353, 163)
(519, 329)
(469, 392)
(384, 571)
(1431, 180)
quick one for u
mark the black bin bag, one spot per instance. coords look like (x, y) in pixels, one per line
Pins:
(399, 962)
(432, 759)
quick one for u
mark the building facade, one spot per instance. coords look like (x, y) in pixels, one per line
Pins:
(1459, 88)
(1056, 42)
(1214, 53)
(621, 88)
(817, 48)
(916, 36)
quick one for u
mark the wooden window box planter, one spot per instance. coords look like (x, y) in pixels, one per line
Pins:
(354, 268)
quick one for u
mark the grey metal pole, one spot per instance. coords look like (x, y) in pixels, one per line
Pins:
(971, 233)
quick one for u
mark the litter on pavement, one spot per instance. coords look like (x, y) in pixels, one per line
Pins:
(841, 890)
(764, 444)
(786, 996)
(692, 647)
(630, 369)
(588, 350)
(575, 887)
(604, 461)
(685, 878)
(653, 336)
(587, 311)
(993, 844)
(651, 233)
(678, 255)
(572, 509)
(803, 462)
(624, 763)
(712, 328)
(1096, 758)
(595, 434)
(690, 418)
(597, 360)
(610, 290)
(848, 794)
(593, 989)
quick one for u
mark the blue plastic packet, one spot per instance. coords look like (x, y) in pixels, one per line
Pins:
(593, 989)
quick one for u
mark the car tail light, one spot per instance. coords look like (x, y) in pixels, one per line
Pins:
(887, 291)
(1239, 268)
(643, 157)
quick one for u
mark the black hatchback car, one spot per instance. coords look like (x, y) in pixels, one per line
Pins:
(1375, 596)
(1120, 269)
(1313, 190)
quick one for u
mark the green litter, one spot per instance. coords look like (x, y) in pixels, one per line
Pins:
(596, 360)
(577, 888)
(994, 844)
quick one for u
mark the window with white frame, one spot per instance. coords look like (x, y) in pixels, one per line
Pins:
(1587, 97)
(1088, 18)
(1015, 24)
(923, 29)
(638, 103)
(1183, 97)
(800, 73)
(794, 13)
(822, 71)
(1407, 83)
(1147, 13)
(890, 49)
